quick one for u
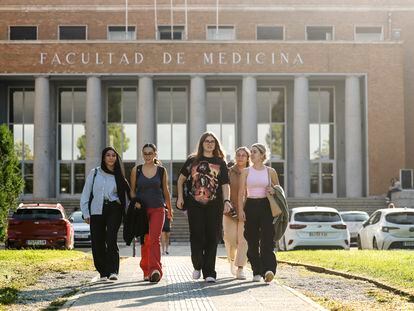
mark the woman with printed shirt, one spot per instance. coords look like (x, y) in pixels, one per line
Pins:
(149, 188)
(233, 228)
(258, 228)
(107, 187)
(209, 191)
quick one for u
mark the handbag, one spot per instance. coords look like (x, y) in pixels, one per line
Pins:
(91, 194)
(276, 210)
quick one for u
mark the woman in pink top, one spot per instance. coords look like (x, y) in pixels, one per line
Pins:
(258, 227)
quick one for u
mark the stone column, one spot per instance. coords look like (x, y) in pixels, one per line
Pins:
(249, 111)
(42, 127)
(353, 138)
(301, 161)
(145, 114)
(198, 114)
(95, 124)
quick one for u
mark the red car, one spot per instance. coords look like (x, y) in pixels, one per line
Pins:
(40, 225)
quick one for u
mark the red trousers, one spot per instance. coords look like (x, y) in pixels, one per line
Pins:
(150, 250)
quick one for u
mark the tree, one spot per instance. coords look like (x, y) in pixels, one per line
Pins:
(23, 153)
(115, 134)
(11, 180)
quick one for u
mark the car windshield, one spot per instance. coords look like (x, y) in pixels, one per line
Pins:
(357, 217)
(77, 218)
(404, 218)
(37, 214)
(317, 217)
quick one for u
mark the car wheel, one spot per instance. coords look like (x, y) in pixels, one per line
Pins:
(359, 242)
(374, 244)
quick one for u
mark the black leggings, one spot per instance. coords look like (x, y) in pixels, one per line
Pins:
(259, 231)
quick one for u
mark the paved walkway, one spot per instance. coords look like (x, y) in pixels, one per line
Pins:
(177, 290)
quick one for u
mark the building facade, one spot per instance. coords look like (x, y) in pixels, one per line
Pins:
(326, 85)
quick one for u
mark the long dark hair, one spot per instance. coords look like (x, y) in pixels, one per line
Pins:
(154, 148)
(217, 152)
(122, 184)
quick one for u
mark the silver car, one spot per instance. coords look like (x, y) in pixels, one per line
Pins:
(354, 221)
(81, 228)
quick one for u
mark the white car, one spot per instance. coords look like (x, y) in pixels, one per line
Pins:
(315, 227)
(81, 228)
(354, 221)
(391, 228)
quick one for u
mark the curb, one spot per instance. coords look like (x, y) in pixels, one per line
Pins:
(319, 269)
(81, 290)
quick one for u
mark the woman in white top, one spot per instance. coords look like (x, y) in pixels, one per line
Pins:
(103, 204)
(258, 229)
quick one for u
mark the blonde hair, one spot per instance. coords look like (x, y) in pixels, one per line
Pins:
(262, 149)
(245, 149)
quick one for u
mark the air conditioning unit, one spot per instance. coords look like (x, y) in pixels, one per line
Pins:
(406, 178)
(396, 34)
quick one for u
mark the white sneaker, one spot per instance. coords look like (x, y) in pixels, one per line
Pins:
(210, 279)
(269, 275)
(257, 278)
(240, 275)
(103, 279)
(233, 268)
(113, 277)
(196, 274)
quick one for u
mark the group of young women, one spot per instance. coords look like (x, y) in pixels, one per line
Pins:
(213, 195)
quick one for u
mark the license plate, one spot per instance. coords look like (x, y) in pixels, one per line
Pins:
(82, 236)
(318, 234)
(36, 242)
(409, 243)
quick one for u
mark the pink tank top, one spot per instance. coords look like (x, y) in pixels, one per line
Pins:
(256, 183)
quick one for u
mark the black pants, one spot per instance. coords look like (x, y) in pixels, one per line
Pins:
(205, 223)
(259, 231)
(104, 235)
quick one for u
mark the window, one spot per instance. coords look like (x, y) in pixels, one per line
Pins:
(269, 33)
(404, 218)
(271, 126)
(117, 33)
(368, 33)
(72, 140)
(165, 33)
(122, 124)
(221, 33)
(354, 217)
(23, 33)
(406, 177)
(319, 33)
(322, 140)
(72, 32)
(222, 115)
(317, 217)
(171, 105)
(21, 122)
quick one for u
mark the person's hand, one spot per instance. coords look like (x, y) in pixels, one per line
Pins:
(170, 215)
(88, 220)
(180, 202)
(242, 216)
(270, 190)
(227, 207)
(138, 205)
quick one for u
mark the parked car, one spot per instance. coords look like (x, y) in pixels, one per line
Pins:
(388, 229)
(354, 221)
(39, 225)
(81, 228)
(315, 227)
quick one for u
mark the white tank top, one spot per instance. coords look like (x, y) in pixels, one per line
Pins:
(256, 183)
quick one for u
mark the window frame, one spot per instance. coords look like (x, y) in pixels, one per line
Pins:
(309, 26)
(134, 37)
(221, 25)
(366, 26)
(35, 26)
(66, 25)
(158, 34)
(273, 25)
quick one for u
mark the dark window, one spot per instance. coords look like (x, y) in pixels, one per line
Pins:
(72, 32)
(357, 217)
(323, 33)
(269, 33)
(23, 33)
(317, 217)
(404, 218)
(164, 33)
(37, 214)
(374, 218)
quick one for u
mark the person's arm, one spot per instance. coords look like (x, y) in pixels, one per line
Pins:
(86, 193)
(133, 183)
(167, 197)
(226, 198)
(242, 195)
(180, 191)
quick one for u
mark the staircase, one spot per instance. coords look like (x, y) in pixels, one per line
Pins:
(179, 226)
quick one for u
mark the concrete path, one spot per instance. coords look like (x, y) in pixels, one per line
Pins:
(178, 291)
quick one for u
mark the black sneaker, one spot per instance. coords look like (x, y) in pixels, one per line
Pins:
(155, 276)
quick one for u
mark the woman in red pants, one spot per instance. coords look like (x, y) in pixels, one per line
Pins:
(149, 188)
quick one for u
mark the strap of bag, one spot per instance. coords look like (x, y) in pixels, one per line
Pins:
(268, 177)
(91, 194)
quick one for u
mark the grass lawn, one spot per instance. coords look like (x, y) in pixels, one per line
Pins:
(395, 268)
(20, 268)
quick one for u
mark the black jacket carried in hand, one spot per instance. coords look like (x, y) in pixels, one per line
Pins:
(135, 223)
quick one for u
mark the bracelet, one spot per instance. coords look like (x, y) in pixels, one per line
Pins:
(226, 200)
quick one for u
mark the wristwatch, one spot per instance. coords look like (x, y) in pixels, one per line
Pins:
(226, 200)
